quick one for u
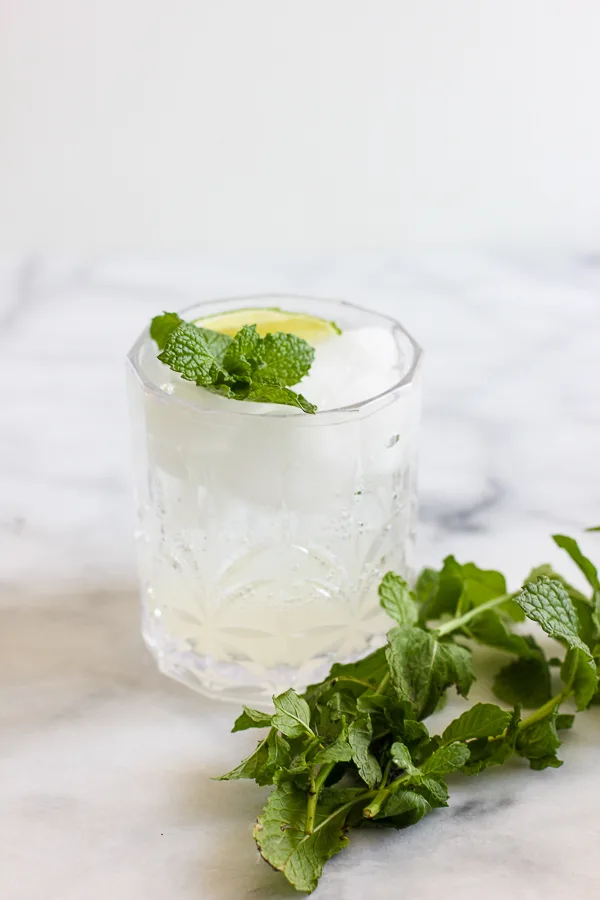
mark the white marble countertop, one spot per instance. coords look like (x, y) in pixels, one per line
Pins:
(104, 763)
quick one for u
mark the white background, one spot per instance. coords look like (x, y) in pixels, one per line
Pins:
(315, 124)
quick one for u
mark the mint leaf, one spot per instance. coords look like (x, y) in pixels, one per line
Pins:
(279, 759)
(162, 326)
(217, 343)
(539, 742)
(422, 668)
(246, 367)
(479, 586)
(490, 629)
(360, 735)
(549, 572)
(371, 668)
(339, 751)
(564, 722)
(525, 682)
(402, 758)
(584, 682)
(415, 732)
(548, 603)
(458, 663)
(403, 808)
(483, 720)
(188, 353)
(282, 840)
(582, 562)
(292, 714)
(251, 766)
(441, 595)
(273, 393)
(427, 585)
(286, 358)
(397, 599)
(447, 759)
(434, 790)
(242, 357)
(251, 718)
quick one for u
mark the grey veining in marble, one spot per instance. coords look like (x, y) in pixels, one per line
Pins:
(104, 764)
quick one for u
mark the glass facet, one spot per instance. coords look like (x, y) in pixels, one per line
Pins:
(263, 532)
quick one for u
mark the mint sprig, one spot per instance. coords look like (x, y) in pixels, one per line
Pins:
(354, 751)
(245, 367)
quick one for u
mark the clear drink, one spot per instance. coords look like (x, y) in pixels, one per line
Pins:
(263, 532)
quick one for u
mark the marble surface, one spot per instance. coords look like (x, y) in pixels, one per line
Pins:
(105, 764)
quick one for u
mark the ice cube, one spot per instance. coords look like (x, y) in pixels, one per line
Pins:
(352, 368)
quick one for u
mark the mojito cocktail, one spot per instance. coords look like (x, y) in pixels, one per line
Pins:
(275, 464)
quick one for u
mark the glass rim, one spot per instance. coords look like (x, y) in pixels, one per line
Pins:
(260, 300)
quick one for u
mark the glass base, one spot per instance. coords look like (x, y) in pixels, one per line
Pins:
(240, 682)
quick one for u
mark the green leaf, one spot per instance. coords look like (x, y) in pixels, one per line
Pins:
(564, 722)
(479, 586)
(422, 667)
(187, 352)
(371, 668)
(414, 731)
(286, 358)
(341, 705)
(487, 752)
(447, 759)
(243, 352)
(549, 572)
(372, 702)
(548, 603)
(251, 766)
(217, 343)
(282, 840)
(489, 628)
(402, 758)
(279, 760)
(360, 735)
(397, 599)
(162, 326)
(273, 393)
(404, 808)
(434, 790)
(338, 751)
(292, 714)
(251, 718)
(459, 666)
(582, 562)
(445, 599)
(526, 681)
(427, 585)
(246, 367)
(539, 742)
(585, 680)
(483, 720)
(593, 528)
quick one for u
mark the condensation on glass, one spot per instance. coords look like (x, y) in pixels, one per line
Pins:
(262, 538)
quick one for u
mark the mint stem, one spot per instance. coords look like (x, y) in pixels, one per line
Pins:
(382, 795)
(454, 624)
(544, 711)
(373, 808)
(316, 783)
(383, 684)
(311, 806)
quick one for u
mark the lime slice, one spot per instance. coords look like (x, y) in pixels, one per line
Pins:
(269, 319)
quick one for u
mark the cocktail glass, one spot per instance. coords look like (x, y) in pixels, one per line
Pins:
(263, 532)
